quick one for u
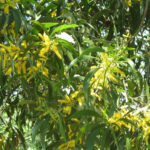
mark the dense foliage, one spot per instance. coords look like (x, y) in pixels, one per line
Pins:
(74, 74)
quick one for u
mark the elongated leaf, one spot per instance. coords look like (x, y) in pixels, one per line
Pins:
(49, 24)
(62, 27)
(83, 130)
(62, 130)
(147, 91)
(43, 130)
(84, 55)
(44, 26)
(76, 60)
(35, 128)
(92, 49)
(132, 66)
(17, 19)
(86, 83)
(85, 112)
(128, 144)
(25, 102)
(91, 138)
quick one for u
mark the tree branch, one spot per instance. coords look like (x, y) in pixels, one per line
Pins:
(141, 24)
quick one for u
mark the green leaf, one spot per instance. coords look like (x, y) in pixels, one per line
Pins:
(35, 128)
(49, 24)
(147, 91)
(17, 20)
(128, 144)
(85, 112)
(62, 27)
(83, 57)
(25, 102)
(86, 83)
(130, 87)
(61, 129)
(92, 49)
(134, 71)
(44, 26)
(43, 131)
(83, 130)
(91, 138)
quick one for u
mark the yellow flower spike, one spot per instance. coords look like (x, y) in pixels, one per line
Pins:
(39, 64)
(74, 95)
(55, 50)
(71, 144)
(5, 60)
(12, 24)
(24, 67)
(24, 44)
(146, 134)
(67, 110)
(75, 120)
(41, 36)
(2, 50)
(45, 71)
(63, 147)
(119, 71)
(67, 97)
(48, 45)
(6, 9)
(3, 46)
(63, 101)
(43, 51)
(80, 101)
(8, 71)
(53, 13)
(18, 67)
(45, 39)
(2, 1)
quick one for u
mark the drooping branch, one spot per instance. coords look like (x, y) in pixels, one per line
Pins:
(141, 24)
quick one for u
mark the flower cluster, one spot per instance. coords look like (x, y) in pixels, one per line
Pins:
(104, 74)
(18, 55)
(138, 120)
(6, 4)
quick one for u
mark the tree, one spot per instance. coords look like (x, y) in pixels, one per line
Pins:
(74, 74)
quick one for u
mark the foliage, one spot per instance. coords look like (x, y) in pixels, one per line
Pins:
(88, 91)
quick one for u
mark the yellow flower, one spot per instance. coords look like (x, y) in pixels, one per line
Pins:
(46, 41)
(53, 13)
(67, 110)
(67, 101)
(146, 134)
(55, 50)
(8, 71)
(45, 71)
(20, 65)
(6, 9)
(66, 146)
(2, 1)
(31, 72)
(2, 50)
(24, 44)
(75, 120)
(81, 100)
(104, 75)
(39, 64)
(7, 4)
(71, 143)
(47, 45)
